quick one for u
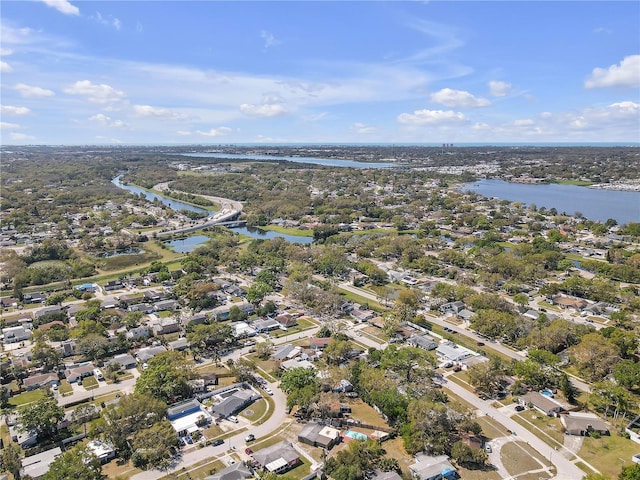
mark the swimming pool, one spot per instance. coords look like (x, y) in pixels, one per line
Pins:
(355, 435)
(547, 393)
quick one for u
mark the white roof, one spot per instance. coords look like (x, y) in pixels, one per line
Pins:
(188, 422)
(276, 464)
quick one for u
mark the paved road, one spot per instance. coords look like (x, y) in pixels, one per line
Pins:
(565, 469)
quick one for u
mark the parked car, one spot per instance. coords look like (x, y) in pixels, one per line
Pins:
(233, 419)
(519, 408)
(250, 438)
(215, 443)
(487, 447)
(268, 390)
(457, 368)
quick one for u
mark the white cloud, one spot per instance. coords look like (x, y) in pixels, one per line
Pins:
(14, 111)
(96, 93)
(499, 89)
(9, 126)
(626, 74)
(109, 20)
(264, 110)
(216, 132)
(269, 39)
(5, 67)
(481, 126)
(363, 128)
(183, 133)
(20, 136)
(5, 51)
(602, 30)
(458, 99)
(431, 117)
(107, 121)
(158, 112)
(525, 122)
(63, 6)
(29, 91)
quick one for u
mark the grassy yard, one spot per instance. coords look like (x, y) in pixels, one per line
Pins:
(303, 324)
(551, 426)
(296, 232)
(518, 458)
(254, 411)
(27, 397)
(366, 414)
(90, 383)
(373, 305)
(117, 468)
(65, 387)
(491, 429)
(467, 474)
(608, 454)
(395, 449)
(198, 471)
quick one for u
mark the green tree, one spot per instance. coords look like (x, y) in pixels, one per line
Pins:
(630, 472)
(43, 416)
(166, 378)
(45, 356)
(155, 447)
(337, 351)
(595, 356)
(10, 457)
(412, 364)
(78, 463)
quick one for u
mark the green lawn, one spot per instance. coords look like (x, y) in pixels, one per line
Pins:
(90, 383)
(518, 458)
(254, 411)
(27, 397)
(607, 454)
(296, 232)
(551, 426)
(65, 387)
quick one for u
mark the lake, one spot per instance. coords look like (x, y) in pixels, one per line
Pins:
(187, 245)
(270, 234)
(169, 202)
(329, 162)
(593, 203)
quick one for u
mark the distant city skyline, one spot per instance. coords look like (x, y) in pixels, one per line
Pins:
(180, 72)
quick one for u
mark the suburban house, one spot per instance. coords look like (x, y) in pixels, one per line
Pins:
(266, 325)
(319, 435)
(582, 424)
(125, 361)
(237, 471)
(452, 307)
(75, 373)
(46, 311)
(277, 458)
(145, 354)
(319, 343)
(101, 449)
(287, 320)
(166, 326)
(427, 467)
(36, 466)
(544, 404)
(235, 402)
(285, 352)
(362, 315)
(43, 380)
(187, 417)
(166, 305)
(143, 331)
(15, 334)
(422, 341)
(569, 302)
(178, 345)
(141, 307)
(452, 352)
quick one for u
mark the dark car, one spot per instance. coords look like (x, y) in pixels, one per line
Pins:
(519, 408)
(215, 443)
(480, 344)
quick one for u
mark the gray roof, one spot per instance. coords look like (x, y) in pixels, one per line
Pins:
(423, 341)
(583, 422)
(238, 471)
(178, 408)
(283, 352)
(233, 403)
(282, 450)
(37, 466)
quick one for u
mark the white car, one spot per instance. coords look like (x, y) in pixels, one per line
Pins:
(233, 419)
(268, 390)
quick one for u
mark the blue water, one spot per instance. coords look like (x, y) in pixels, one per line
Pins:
(593, 203)
(187, 245)
(330, 162)
(355, 435)
(169, 202)
(269, 234)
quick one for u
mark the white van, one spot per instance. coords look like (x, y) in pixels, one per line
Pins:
(98, 374)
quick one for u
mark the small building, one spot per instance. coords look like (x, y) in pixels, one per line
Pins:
(145, 354)
(422, 341)
(187, 417)
(452, 307)
(234, 403)
(141, 307)
(178, 345)
(319, 343)
(428, 467)
(101, 449)
(297, 363)
(125, 361)
(37, 466)
(143, 331)
(43, 380)
(286, 352)
(197, 319)
(237, 471)
(50, 310)
(113, 285)
(451, 352)
(76, 373)
(166, 326)
(582, 424)
(166, 305)
(362, 315)
(266, 325)
(287, 320)
(15, 334)
(277, 458)
(544, 404)
(319, 435)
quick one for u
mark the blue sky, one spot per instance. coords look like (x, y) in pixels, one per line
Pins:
(164, 72)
